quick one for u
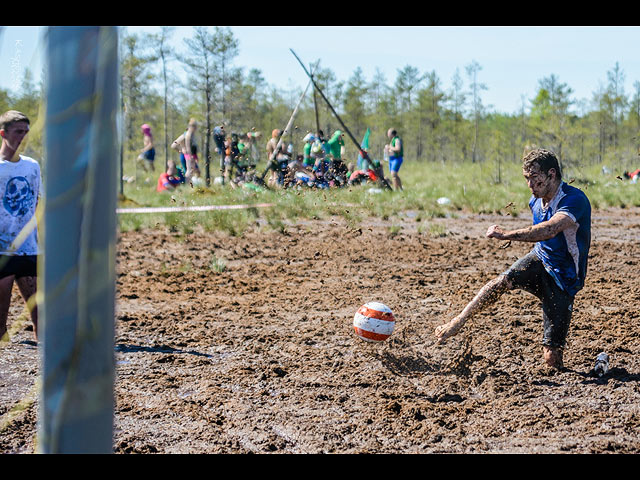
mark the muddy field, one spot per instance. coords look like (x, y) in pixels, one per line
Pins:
(262, 357)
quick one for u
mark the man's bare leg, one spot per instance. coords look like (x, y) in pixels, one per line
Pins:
(6, 285)
(486, 296)
(27, 286)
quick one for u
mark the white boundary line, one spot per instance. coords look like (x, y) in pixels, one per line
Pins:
(198, 208)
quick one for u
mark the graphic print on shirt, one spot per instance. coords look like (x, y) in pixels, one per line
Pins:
(18, 197)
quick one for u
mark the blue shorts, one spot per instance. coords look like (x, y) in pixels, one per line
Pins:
(395, 163)
(150, 155)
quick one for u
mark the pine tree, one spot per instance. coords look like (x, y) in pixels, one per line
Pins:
(617, 100)
(475, 88)
(200, 61)
(165, 53)
(354, 103)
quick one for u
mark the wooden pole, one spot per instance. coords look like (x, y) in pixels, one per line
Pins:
(315, 106)
(286, 130)
(353, 139)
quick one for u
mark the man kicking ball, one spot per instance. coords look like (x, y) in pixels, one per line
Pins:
(555, 270)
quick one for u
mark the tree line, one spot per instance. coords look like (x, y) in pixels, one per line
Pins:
(449, 125)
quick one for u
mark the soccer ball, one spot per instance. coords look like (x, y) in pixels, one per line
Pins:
(374, 322)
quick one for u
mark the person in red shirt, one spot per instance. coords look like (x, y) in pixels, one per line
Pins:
(632, 174)
(168, 180)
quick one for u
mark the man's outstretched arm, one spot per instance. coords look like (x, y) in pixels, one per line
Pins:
(495, 288)
(535, 233)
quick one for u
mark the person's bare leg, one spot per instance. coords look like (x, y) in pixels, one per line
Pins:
(6, 285)
(396, 181)
(553, 357)
(397, 184)
(486, 296)
(27, 286)
(307, 171)
(143, 163)
(189, 173)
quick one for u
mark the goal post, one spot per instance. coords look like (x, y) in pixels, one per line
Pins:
(76, 282)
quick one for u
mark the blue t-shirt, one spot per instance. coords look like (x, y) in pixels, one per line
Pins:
(565, 255)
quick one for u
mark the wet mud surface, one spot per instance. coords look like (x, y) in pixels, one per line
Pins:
(262, 357)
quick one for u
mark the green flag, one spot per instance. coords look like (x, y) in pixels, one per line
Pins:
(365, 140)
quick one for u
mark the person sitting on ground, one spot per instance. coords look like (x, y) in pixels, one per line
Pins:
(368, 171)
(362, 176)
(633, 176)
(297, 165)
(336, 147)
(168, 180)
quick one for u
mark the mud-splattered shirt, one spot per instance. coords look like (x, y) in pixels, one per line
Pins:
(565, 255)
(19, 189)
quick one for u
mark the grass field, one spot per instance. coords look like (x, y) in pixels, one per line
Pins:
(472, 188)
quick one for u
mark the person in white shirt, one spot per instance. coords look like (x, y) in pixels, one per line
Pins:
(20, 182)
(187, 145)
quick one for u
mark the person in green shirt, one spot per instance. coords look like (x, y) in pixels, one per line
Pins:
(336, 145)
(336, 148)
(394, 149)
(309, 139)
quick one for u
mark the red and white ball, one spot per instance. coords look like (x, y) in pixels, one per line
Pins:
(374, 322)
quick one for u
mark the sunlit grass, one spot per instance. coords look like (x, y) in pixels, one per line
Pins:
(467, 188)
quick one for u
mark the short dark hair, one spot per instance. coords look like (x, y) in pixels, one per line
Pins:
(10, 117)
(545, 159)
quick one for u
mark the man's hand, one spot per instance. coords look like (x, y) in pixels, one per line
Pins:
(542, 231)
(496, 231)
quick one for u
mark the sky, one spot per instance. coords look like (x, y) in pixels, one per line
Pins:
(513, 59)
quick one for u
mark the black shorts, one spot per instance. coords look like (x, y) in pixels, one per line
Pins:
(150, 155)
(529, 274)
(18, 265)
